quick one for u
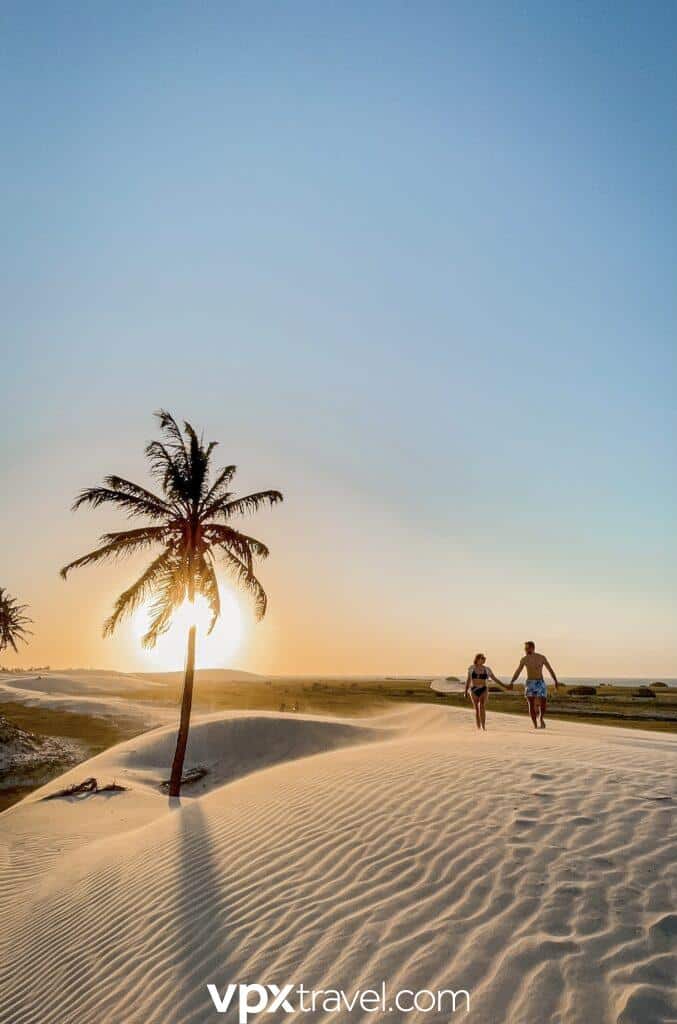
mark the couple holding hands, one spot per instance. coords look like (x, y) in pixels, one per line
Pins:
(479, 674)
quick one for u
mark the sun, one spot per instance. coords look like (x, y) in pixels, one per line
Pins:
(213, 651)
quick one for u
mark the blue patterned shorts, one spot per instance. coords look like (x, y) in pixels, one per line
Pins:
(535, 688)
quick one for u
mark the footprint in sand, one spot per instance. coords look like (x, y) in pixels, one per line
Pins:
(663, 933)
(602, 862)
(647, 1004)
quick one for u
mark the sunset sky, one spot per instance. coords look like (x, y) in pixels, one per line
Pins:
(411, 264)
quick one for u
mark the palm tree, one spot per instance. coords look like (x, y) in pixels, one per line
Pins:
(190, 523)
(13, 622)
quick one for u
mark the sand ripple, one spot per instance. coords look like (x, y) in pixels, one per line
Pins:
(535, 870)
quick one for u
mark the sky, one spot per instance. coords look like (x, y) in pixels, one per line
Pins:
(413, 265)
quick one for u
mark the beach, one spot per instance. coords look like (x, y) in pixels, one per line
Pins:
(532, 869)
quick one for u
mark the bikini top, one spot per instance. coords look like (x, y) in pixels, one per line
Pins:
(482, 674)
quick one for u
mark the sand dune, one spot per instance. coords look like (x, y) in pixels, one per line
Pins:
(204, 675)
(105, 694)
(82, 683)
(534, 869)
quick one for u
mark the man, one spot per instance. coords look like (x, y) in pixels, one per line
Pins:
(535, 690)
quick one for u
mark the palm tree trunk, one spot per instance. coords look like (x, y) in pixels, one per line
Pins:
(184, 724)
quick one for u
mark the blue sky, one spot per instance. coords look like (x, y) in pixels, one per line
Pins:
(413, 265)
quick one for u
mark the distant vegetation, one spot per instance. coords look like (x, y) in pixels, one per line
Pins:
(30, 668)
(611, 705)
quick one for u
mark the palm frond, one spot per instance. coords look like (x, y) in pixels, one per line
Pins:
(119, 545)
(13, 622)
(243, 574)
(133, 504)
(171, 474)
(130, 599)
(198, 465)
(118, 483)
(175, 441)
(217, 491)
(240, 543)
(241, 506)
(171, 589)
(207, 585)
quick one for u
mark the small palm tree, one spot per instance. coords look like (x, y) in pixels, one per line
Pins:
(13, 622)
(190, 523)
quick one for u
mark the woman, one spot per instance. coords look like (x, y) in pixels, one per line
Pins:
(477, 682)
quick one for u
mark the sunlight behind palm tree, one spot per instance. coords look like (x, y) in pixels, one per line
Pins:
(213, 650)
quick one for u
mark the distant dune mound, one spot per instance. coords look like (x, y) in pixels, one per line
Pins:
(71, 683)
(203, 675)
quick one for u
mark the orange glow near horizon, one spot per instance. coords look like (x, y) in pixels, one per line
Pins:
(215, 650)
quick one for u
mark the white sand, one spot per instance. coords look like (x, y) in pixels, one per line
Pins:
(534, 869)
(89, 693)
(81, 683)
